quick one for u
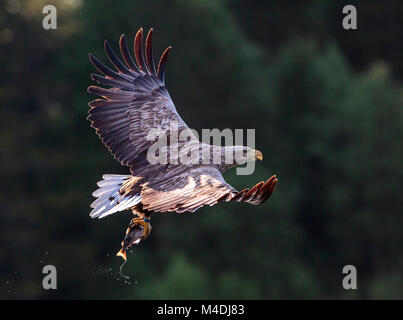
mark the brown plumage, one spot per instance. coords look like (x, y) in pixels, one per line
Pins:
(136, 103)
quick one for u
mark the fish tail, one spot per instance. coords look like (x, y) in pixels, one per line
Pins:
(122, 254)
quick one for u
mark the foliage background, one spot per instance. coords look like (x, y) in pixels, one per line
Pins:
(327, 107)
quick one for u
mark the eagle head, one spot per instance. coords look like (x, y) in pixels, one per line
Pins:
(238, 155)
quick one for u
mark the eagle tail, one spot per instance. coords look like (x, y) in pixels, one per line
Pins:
(109, 200)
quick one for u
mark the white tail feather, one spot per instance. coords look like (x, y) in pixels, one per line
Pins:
(109, 200)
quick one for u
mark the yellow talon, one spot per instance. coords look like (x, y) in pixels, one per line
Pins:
(145, 223)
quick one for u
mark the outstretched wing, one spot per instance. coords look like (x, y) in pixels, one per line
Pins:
(136, 103)
(198, 187)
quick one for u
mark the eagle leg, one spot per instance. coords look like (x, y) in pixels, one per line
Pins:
(139, 229)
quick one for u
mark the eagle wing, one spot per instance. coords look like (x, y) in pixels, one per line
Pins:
(198, 187)
(136, 103)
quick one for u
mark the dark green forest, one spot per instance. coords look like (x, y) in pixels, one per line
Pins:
(326, 104)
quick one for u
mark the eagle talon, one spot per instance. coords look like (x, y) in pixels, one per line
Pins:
(139, 229)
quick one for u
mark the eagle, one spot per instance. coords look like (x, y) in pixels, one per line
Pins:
(133, 101)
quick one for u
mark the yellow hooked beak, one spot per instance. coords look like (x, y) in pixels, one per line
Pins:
(258, 155)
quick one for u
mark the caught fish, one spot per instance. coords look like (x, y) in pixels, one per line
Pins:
(138, 230)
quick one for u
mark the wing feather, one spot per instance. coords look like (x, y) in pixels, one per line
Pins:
(138, 50)
(135, 102)
(257, 194)
(149, 52)
(126, 55)
(162, 63)
(114, 59)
